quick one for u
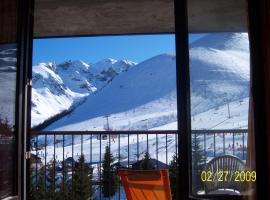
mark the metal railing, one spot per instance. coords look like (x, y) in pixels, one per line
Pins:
(222, 142)
(64, 148)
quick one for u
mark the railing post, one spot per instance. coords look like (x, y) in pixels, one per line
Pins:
(128, 150)
(224, 143)
(214, 144)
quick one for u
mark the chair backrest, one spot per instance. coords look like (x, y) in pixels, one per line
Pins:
(146, 184)
(224, 166)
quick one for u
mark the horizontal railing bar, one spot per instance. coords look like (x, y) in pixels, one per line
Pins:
(102, 132)
(33, 133)
(219, 131)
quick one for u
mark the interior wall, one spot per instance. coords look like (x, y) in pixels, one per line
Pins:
(259, 20)
(265, 43)
(8, 21)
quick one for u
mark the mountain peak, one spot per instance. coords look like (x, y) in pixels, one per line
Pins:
(112, 64)
(107, 61)
(223, 41)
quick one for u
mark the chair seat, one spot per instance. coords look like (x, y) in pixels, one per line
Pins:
(146, 184)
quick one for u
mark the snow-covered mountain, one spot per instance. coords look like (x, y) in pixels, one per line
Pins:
(57, 88)
(219, 70)
(144, 97)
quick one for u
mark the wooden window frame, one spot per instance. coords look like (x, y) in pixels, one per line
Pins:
(23, 99)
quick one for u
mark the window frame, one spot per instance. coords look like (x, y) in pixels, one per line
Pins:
(23, 99)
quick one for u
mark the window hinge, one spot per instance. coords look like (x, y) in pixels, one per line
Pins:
(27, 155)
(29, 82)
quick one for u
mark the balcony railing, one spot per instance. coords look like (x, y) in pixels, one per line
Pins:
(60, 151)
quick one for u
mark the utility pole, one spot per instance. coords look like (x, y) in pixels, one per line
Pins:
(203, 84)
(107, 118)
(228, 105)
(229, 113)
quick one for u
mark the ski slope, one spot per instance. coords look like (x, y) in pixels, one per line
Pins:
(143, 97)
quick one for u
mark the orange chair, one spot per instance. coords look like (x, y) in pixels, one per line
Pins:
(146, 184)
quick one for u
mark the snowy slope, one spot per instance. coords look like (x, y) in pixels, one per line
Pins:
(50, 95)
(143, 92)
(219, 70)
(59, 87)
(144, 97)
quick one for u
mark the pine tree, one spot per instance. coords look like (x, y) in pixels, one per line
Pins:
(66, 186)
(109, 177)
(146, 163)
(34, 193)
(173, 173)
(52, 188)
(198, 159)
(37, 186)
(5, 127)
(82, 180)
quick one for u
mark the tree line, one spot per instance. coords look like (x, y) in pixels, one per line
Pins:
(78, 184)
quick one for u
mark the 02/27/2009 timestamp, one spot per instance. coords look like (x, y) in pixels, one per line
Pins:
(228, 176)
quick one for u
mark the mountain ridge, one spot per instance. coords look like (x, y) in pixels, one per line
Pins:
(219, 73)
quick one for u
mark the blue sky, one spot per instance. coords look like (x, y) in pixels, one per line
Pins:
(92, 49)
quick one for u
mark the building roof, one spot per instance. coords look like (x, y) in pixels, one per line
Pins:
(154, 162)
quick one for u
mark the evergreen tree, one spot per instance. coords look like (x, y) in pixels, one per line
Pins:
(198, 159)
(109, 177)
(37, 186)
(173, 173)
(34, 185)
(146, 163)
(52, 186)
(5, 127)
(66, 186)
(82, 184)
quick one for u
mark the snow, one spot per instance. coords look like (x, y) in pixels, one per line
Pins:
(62, 87)
(143, 97)
(119, 195)
(218, 118)
(139, 90)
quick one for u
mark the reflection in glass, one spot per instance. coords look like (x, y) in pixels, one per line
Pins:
(8, 63)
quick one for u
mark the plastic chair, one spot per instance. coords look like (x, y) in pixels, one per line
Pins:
(228, 163)
(146, 184)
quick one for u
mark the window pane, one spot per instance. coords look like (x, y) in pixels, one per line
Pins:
(123, 83)
(222, 161)
(112, 84)
(219, 75)
(8, 65)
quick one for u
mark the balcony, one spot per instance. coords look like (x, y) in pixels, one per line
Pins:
(55, 156)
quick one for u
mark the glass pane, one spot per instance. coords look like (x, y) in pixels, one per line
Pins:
(104, 83)
(8, 65)
(110, 84)
(221, 142)
(220, 82)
